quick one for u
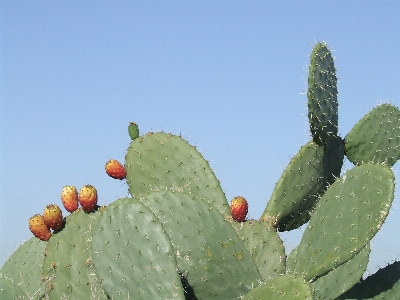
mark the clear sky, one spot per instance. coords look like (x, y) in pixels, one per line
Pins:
(229, 76)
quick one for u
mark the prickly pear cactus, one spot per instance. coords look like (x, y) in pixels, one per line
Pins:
(24, 268)
(175, 237)
(322, 95)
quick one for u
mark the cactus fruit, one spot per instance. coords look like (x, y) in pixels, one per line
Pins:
(39, 228)
(88, 198)
(115, 169)
(53, 217)
(69, 198)
(239, 208)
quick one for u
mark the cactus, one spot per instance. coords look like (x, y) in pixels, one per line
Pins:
(133, 130)
(376, 137)
(384, 284)
(209, 254)
(282, 287)
(352, 210)
(24, 268)
(160, 160)
(339, 280)
(10, 291)
(175, 238)
(322, 95)
(305, 178)
(132, 254)
(67, 265)
(264, 245)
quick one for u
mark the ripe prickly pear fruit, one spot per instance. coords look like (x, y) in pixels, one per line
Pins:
(239, 208)
(69, 198)
(53, 217)
(115, 169)
(133, 130)
(39, 228)
(88, 198)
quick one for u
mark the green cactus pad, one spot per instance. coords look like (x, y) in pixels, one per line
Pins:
(384, 284)
(133, 130)
(24, 267)
(376, 137)
(68, 266)
(210, 255)
(304, 179)
(133, 255)
(346, 218)
(9, 291)
(285, 287)
(322, 95)
(164, 161)
(339, 280)
(291, 262)
(264, 245)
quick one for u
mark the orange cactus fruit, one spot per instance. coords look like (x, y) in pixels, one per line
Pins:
(39, 228)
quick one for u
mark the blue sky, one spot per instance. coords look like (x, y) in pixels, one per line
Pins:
(229, 76)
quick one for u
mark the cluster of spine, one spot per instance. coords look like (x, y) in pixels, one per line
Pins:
(176, 237)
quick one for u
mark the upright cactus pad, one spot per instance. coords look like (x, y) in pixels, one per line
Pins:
(68, 267)
(322, 95)
(210, 255)
(160, 160)
(346, 218)
(376, 137)
(305, 178)
(132, 255)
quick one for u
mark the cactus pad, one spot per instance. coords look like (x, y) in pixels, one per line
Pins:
(133, 130)
(339, 280)
(322, 95)
(210, 255)
(8, 291)
(304, 179)
(132, 255)
(384, 284)
(24, 267)
(159, 160)
(68, 266)
(346, 218)
(376, 137)
(282, 287)
(264, 245)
